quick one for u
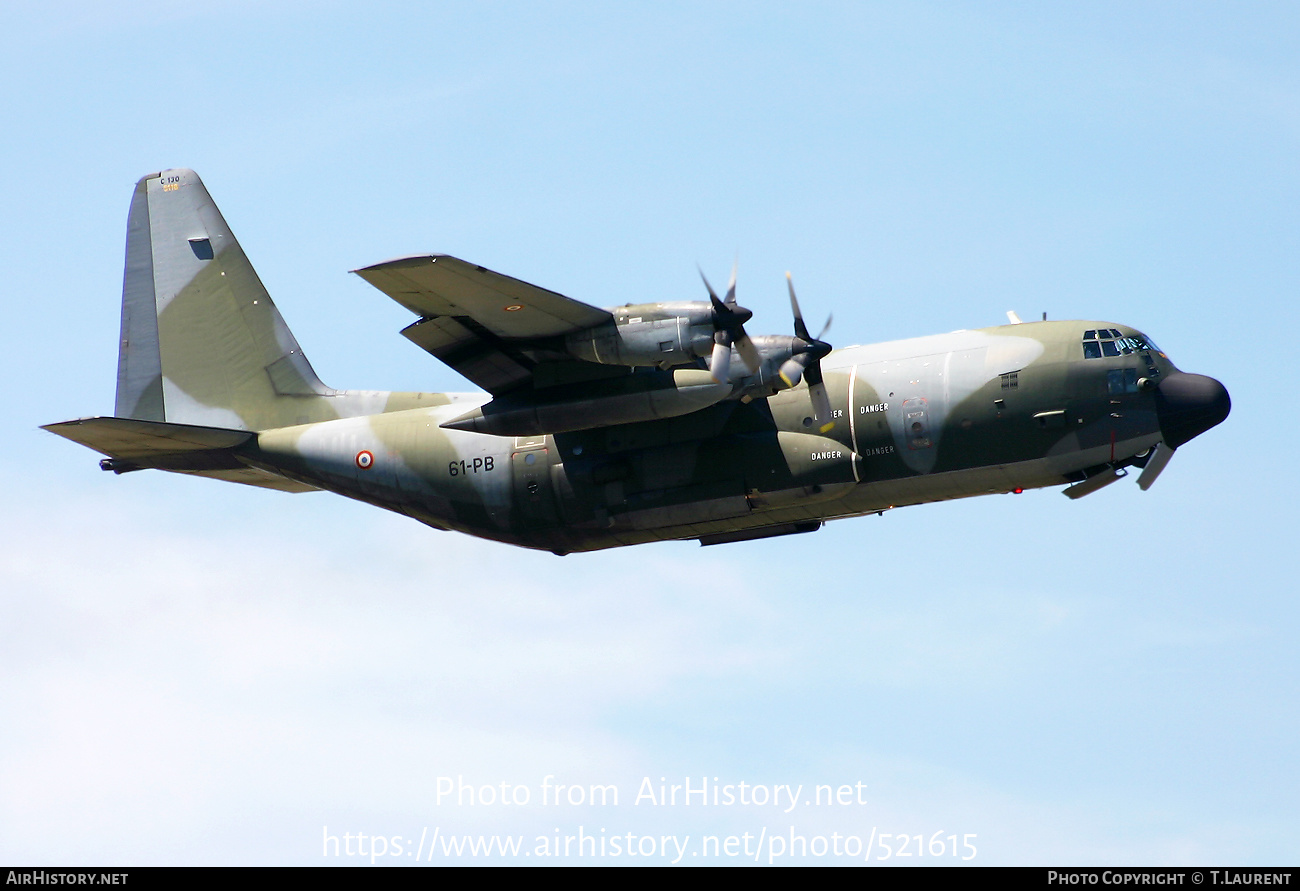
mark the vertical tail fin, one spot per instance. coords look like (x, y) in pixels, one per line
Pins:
(202, 343)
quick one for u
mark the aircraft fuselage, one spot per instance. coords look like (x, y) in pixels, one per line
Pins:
(933, 418)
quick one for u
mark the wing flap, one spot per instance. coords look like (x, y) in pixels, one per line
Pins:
(466, 351)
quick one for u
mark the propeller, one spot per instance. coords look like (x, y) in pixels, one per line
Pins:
(729, 328)
(806, 362)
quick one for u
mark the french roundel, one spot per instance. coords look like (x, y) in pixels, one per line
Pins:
(365, 459)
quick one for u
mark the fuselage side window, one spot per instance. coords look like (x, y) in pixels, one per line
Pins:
(1121, 381)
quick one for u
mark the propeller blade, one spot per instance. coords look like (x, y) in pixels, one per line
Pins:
(809, 358)
(729, 322)
(727, 315)
(821, 405)
(791, 372)
(820, 400)
(800, 329)
(813, 363)
(748, 352)
(718, 306)
(830, 318)
(720, 362)
(1158, 462)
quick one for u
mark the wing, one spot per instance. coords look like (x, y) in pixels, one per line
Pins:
(498, 331)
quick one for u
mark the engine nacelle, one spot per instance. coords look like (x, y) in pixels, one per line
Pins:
(648, 334)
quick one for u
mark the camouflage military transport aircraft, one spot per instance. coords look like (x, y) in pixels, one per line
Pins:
(609, 427)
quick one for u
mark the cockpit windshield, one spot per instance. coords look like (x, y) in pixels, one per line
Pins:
(1102, 342)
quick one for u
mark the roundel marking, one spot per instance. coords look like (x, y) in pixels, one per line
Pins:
(365, 459)
(514, 307)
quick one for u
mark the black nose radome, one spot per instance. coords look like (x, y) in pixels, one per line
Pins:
(1188, 405)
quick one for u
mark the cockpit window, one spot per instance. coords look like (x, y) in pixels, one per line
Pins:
(1099, 342)
(1110, 342)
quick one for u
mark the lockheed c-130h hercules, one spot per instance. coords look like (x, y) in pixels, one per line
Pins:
(608, 427)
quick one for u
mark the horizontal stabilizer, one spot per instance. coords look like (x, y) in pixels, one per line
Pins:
(131, 438)
(133, 444)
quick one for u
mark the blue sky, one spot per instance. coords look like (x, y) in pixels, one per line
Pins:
(200, 673)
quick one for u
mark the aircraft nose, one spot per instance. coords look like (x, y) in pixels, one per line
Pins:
(1188, 405)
